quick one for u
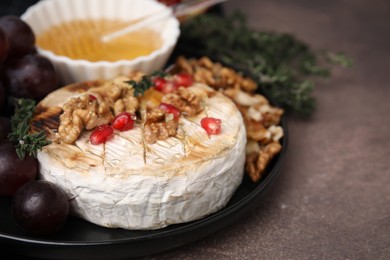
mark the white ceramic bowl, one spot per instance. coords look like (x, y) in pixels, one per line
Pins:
(47, 13)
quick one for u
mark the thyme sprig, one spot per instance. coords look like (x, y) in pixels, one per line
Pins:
(145, 83)
(26, 142)
(281, 64)
(141, 86)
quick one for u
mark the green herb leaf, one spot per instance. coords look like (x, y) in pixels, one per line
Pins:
(26, 143)
(140, 87)
(340, 59)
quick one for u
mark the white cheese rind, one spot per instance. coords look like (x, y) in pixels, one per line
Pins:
(175, 182)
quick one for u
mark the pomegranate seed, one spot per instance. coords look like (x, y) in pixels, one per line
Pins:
(211, 125)
(164, 85)
(159, 83)
(124, 121)
(101, 134)
(91, 97)
(170, 2)
(171, 110)
(183, 80)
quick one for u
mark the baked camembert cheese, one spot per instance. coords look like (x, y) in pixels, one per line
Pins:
(166, 169)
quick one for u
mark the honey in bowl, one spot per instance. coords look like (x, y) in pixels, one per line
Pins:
(81, 39)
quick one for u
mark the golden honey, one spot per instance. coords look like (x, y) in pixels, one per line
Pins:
(81, 39)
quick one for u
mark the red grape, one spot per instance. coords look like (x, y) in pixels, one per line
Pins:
(31, 76)
(5, 128)
(20, 35)
(13, 171)
(2, 95)
(4, 45)
(40, 207)
(8, 108)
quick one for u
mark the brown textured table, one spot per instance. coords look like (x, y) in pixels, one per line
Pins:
(332, 197)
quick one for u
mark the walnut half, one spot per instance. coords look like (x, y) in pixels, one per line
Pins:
(186, 101)
(159, 125)
(256, 162)
(80, 113)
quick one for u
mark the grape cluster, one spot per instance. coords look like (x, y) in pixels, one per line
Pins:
(38, 206)
(24, 73)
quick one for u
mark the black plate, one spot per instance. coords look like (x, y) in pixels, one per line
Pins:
(79, 239)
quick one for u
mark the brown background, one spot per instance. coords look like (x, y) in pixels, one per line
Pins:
(332, 197)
